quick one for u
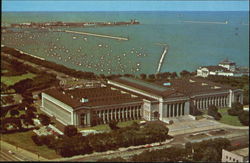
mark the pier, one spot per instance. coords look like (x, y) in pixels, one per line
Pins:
(204, 22)
(162, 58)
(97, 35)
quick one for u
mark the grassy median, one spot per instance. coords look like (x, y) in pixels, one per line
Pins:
(105, 127)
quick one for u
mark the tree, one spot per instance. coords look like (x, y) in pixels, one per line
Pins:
(236, 109)
(70, 130)
(143, 76)
(244, 118)
(210, 155)
(113, 125)
(32, 108)
(185, 73)
(22, 86)
(14, 112)
(30, 114)
(151, 76)
(44, 119)
(213, 111)
(173, 75)
(188, 147)
(237, 106)
(36, 140)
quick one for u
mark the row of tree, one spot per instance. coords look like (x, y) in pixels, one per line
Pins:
(205, 151)
(51, 65)
(73, 143)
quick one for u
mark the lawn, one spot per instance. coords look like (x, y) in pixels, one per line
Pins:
(11, 80)
(105, 127)
(228, 119)
(23, 140)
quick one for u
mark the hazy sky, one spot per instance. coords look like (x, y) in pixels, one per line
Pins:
(142, 5)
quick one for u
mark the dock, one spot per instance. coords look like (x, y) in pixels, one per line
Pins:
(98, 35)
(165, 51)
(204, 22)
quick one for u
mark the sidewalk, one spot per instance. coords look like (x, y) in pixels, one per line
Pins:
(20, 151)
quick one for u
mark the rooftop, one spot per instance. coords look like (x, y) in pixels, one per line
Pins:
(216, 68)
(195, 85)
(148, 87)
(91, 97)
(227, 62)
(242, 152)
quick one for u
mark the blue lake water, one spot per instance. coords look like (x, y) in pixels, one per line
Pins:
(206, 41)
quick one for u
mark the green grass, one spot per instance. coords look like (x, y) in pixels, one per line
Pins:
(105, 127)
(23, 140)
(10, 80)
(228, 119)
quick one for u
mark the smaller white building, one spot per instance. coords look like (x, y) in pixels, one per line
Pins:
(224, 68)
(229, 65)
(240, 155)
(205, 71)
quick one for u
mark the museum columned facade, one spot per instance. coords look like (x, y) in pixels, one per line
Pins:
(126, 98)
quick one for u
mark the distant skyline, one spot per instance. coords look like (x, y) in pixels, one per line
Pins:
(57, 5)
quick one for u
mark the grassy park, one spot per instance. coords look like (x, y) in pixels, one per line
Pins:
(23, 140)
(11, 80)
(228, 119)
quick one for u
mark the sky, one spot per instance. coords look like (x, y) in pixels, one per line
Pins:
(123, 5)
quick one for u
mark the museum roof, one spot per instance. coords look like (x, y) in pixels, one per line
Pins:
(195, 85)
(148, 87)
(91, 97)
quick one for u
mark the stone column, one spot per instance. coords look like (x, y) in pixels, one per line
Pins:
(103, 116)
(174, 110)
(138, 112)
(115, 114)
(177, 109)
(161, 109)
(181, 109)
(126, 112)
(167, 110)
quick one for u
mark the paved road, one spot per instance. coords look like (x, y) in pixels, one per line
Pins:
(18, 154)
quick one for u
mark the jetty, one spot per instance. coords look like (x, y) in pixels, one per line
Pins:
(165, 51)
(97, 35)
(204, 22)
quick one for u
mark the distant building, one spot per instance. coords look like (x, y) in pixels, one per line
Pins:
(240, 155)
(224, 68)
(229, 65)
(205, 71)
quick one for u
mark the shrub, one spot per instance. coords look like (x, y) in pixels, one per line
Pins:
(14, 112)
(44, 119)
(70, 130)
(244, 118)
(113, 125)
(36, 140)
